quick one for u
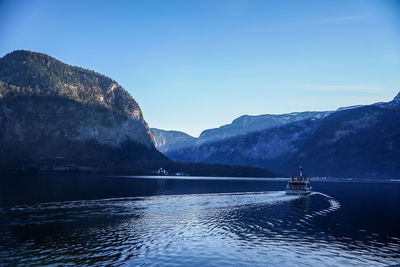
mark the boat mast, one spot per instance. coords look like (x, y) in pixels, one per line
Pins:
(301, 171)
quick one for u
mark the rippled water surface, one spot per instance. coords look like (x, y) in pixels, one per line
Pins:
(78, 220)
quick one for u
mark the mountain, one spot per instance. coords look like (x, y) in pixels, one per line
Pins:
(171, 140)
(360, 141)
(53, 115)
(248, 124)
(267, 148)
(57, 117)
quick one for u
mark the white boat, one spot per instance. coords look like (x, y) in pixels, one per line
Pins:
(299, 184)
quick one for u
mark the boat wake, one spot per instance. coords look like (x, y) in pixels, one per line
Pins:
(152, 204)
(333, 206)
(219, 200)
(71, 210)
(269, 228)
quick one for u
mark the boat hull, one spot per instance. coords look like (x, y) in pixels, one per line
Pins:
(297, 192)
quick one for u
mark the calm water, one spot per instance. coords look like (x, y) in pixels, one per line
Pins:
(94, 220)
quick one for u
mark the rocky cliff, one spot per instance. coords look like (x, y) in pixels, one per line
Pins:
(34, 75)
(52, 112)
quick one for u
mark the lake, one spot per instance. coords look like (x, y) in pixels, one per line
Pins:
(188, 221)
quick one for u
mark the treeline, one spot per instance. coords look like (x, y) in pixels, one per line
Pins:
(130, 158)
(219, 170)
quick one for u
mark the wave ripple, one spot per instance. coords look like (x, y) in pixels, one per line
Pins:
(208, 229)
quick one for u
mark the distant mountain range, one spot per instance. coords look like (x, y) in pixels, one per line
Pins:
(168, 141)
(57, 117)
(357, 141)
(171, 140)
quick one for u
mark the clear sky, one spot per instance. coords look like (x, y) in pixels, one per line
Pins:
(193, 65)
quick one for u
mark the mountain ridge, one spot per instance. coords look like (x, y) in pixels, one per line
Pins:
(242, 125)
(26, 73)
(283, 148)
(54, 116)
(167, 139)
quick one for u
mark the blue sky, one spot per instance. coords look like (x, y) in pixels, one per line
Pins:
(193, 65)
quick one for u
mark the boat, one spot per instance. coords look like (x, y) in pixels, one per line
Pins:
(299, 184)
